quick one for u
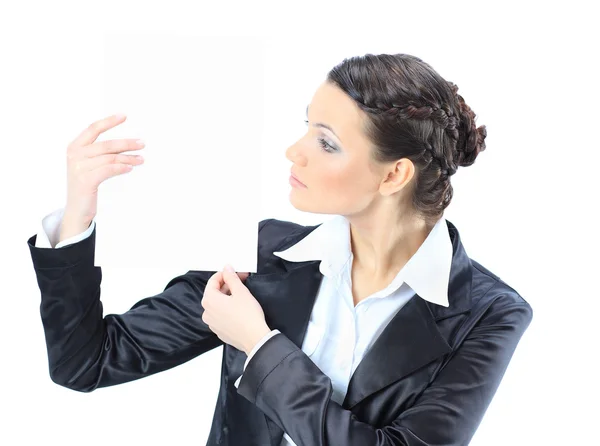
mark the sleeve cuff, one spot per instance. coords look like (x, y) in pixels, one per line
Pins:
(78, 237)
(66, 253)
(266, 359)
(254, 350)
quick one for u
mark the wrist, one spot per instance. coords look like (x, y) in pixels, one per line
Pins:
(259, 334)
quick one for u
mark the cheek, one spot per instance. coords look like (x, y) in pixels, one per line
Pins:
(335, 181)
(343, 182)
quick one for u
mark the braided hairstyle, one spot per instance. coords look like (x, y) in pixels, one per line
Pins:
(413, 113)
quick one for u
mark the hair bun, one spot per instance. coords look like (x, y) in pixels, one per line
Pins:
(471, 139)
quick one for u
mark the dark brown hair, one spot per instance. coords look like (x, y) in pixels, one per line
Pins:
(413, 113)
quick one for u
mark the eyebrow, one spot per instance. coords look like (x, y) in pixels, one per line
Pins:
(325, 126)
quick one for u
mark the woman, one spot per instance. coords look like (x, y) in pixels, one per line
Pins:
(373, 328)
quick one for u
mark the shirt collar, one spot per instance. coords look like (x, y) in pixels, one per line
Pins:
(427, 272)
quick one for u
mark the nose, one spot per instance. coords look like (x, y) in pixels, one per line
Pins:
(293, 154)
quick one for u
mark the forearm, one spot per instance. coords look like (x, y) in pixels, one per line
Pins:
(295, 384)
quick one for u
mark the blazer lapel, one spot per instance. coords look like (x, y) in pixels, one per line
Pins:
(412, 339)
(287, 298)
(408, 342)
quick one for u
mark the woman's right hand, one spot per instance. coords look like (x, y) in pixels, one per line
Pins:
(89, 163)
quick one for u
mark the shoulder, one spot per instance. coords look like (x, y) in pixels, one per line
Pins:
(493, 286)
(497, 302)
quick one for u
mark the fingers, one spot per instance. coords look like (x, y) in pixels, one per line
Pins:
(90, 163)
(215, 282)
(105, 160)
(113, 146)
(90, 134)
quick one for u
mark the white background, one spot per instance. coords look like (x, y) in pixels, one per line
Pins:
(526, 209)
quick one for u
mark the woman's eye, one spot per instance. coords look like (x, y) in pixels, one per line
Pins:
(324, 145)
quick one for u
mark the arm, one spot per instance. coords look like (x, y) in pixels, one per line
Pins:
(448, 412)
(86, 350)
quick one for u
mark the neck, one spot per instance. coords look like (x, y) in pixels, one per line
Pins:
(383, 242)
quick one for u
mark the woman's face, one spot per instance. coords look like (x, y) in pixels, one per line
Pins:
(333, 163)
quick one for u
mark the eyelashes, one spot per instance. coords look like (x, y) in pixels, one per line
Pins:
(323, 144)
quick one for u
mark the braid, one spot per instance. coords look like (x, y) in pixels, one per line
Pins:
(429, 156)
(442, 117)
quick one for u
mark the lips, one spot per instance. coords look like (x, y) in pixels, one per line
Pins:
(296, 178)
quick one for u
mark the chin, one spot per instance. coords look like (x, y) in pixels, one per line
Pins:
(299, 200)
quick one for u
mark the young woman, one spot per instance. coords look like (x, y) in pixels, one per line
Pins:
(372, 328)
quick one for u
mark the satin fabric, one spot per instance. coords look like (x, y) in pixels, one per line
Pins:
(427, 380)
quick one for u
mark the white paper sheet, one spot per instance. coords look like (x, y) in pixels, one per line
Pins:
(196, 101)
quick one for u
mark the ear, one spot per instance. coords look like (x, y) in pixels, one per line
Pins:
(398, 176)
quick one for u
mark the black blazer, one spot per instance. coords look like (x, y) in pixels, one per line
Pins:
(427, 380)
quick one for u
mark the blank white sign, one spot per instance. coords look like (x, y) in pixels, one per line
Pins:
(197, 103)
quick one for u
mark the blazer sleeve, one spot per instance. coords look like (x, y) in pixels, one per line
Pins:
(86, 350)
(448, 412)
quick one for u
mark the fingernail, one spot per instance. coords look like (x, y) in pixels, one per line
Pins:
(229, 268)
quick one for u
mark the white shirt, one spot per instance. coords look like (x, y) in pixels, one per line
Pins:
(338, 334)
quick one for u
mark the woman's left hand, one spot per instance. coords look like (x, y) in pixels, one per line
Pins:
(237, 319)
